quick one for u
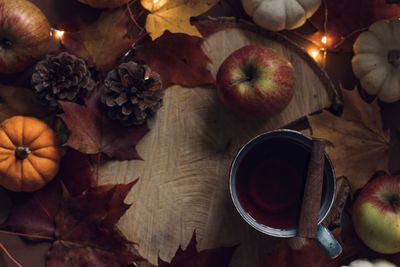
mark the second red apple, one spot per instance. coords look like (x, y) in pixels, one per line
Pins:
(256, 81)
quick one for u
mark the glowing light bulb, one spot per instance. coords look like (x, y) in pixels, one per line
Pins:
(58, 34)
(324, 39)
(314, 54)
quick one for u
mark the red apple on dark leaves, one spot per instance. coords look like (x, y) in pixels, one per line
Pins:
(24, 35)
(376, 214)
(256, 81)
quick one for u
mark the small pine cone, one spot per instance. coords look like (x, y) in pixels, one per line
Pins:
(62, 77)
(132, 93)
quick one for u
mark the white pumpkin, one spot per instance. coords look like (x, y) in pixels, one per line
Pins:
(367, 263)
(377, 60)
(276, 15)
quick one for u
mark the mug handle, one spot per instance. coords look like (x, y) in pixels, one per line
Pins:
(328, 243)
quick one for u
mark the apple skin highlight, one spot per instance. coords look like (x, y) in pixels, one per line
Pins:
(256, 81)
(376, 215)
(24, 35)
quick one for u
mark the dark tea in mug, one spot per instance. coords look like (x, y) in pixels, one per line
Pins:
(267, 180)
(270, 182)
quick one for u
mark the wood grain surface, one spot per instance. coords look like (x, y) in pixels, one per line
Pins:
(184, 176)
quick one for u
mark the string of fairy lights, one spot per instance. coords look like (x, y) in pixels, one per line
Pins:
(317, 51)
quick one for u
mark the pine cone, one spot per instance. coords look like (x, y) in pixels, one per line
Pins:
(62, 77)
(132, 93)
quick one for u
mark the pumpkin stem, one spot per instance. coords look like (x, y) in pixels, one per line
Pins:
(394, 57)
(22, 153)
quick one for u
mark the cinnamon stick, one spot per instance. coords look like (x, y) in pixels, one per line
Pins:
(312, 192)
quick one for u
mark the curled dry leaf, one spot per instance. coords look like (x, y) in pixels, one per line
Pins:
(91, 132)
(184, 64)
(359, 144)
(190, 257)
(102, 42)
(174, 15)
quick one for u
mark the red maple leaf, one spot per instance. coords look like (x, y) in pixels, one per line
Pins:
(33, 214)
(178, 58)
(86, 234)
(190, 257)
(75, 172)
(80, 226)
(91, 132)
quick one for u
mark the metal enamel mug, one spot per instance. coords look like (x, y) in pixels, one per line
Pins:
(324, 238)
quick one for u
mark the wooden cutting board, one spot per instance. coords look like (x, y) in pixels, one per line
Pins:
(183, 183)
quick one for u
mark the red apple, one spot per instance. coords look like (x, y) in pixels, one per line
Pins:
(256, 81)
(376, 214)
(24, 35)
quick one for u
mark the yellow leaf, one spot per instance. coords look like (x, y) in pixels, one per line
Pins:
(360, 145)
(174, 15)
(102, 42)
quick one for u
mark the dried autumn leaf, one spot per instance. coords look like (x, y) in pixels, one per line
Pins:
(102, 42)
(75, 172)
(360, 145)
(84, 237)
(174, 15)
(190, 257)
(33, 214)
(91, 132)
(184, 64)
(117, 207)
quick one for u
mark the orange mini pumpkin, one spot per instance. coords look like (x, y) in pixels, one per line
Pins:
(29, 154)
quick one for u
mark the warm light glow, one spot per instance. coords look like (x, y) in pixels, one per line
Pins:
(59, 34)
(314, 54)
(156, 1)
(324, 39)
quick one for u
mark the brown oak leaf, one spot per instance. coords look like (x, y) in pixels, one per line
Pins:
(190, 257)
(178, 58)
(102, 42)
(359, 144)
(84, 236)
(91, 132)
(33, 214)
